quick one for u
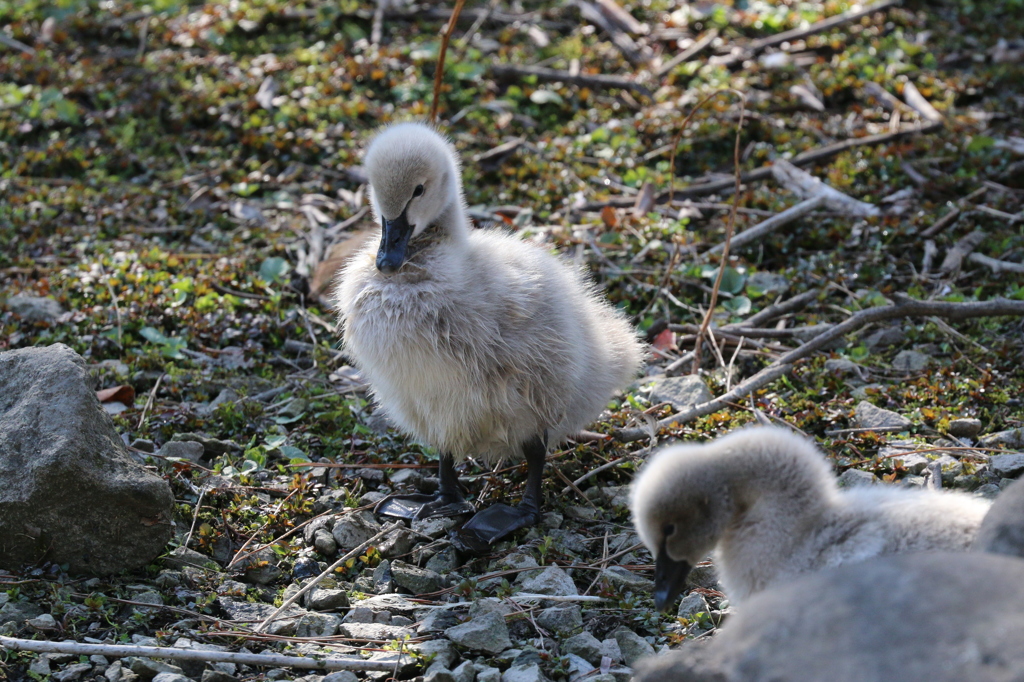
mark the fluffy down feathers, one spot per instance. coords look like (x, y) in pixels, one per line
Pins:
(480, 341)
(767, 499)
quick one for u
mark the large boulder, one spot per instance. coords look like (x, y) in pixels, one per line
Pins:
(1002, 530)
(69, 491)
(929, 616)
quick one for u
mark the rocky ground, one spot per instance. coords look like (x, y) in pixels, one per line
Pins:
(178, 184)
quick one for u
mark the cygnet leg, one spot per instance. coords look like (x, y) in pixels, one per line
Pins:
(447, 501)
(500, 520)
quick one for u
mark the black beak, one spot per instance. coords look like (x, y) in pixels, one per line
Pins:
(394, 238)
(669, 579)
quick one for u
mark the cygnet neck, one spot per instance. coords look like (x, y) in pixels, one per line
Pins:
(776, 493)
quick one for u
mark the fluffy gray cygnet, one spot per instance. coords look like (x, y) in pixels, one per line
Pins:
(767, 500)
(473, 341)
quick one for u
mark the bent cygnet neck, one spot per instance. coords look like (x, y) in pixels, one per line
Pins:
(446, 237)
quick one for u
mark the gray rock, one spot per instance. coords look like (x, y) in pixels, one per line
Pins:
(1002, 531)
(561, 619)
(75, 672)
(35, 308)
(584, 645)
(1013, 438)
(252, 612)
(213, 447)
(352, 530)
(909, 460)
(524, 673)
(437, 620)
(147, 668)
(702, 576)
(911, 361)
(625, 579)
(171, 677)
(883, 338)
(436, 672)
(181, 557)
(488, 674)
(681, 392)
(191, 452)
(610, 648)
(578, 667)
(324, 542)
(327, 599)
(552, 580)
(398, 542)
(633, 646)
(404, 664)
(691, 605)
(441, 650)
(416, 580)
(317, 625)
(383, 579)
(436, 527)
(466, 672)
(487, 632)
(213, 675)
(965, 427)
(18, 613)
(367, 631)
(444, 562)
(989, 491)
(844, 367)
(866, 391)
(69, 490)
(855, 477)
(341, 676)
(867, 416)
(826, 626)
(393, 603)
(1007, 466)
(490, 605)
(42, 623)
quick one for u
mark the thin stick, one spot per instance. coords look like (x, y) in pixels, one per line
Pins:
(439, 71)
(596, 81)
(195, 516)
(16, 44)
(264, 660)
(149, 401)
(330, 569)
(729, 227)
(590, 474)
(687, 54)
(996, 265)
(776, 221)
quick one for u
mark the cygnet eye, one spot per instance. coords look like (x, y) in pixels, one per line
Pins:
(418, 191)
(669, 530)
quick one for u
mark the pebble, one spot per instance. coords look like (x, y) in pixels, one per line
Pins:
(561, 619)
(681, 392)
(35, 308)
(633, 646)
(487, 633)
(524, 673)
(353, 530)
(416, 580)
(552, 580)
(854, 477)
(1007, 466)
(867, 416)
(691, 605)
(911, 361)
(965, 427)
(584, 645)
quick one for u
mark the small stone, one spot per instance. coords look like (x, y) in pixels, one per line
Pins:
(383, 579)
(523, 673)
(633, 646)
(398, 543)
(488, 674)
(147, 668)
(965, 428)
(625, 579)
(341, 676)
(584, 645)
(466, 672)
(552, 580)
(75, 672)
(324, 543)
(444, 562)
(867, 416)
(1013, 438)
(180, 557)
(551, 520)
(437, 620)
(191, 452)
(911, 461)
(691, 605)
(610, 648)
(442, 650)
(883, 338)
(866, 391)
(416, 580)
(1007, 466)
(854, 477)
(171, 677)
(42, 623)
(368, 631)
(681, 392)
(562, 619)
(317, 625)
(392, 603)
(487, 632)
(438, 673)
(305, 567)
(910, 361)
(320, 599)
(40, 666)
(843, 367)
(436, 527)
(702, 576)
(353, 530)
(35, 308)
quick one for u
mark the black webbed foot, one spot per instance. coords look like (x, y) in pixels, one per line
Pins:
(490, 525)
(420, 506)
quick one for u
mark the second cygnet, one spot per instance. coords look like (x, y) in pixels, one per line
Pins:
(767, 499)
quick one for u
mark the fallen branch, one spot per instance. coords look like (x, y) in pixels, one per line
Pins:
(804, 159)
(963, 248)
(761, 229)
(16, 44)
(687, 54)
(637, 56)
(793, 35)
(954, 215)
(264, 660)
(804, 184)
(596, 81)
(903, 307)
(996, 265)
(330, 569)
(918, 103)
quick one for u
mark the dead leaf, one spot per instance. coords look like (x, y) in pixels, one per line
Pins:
(666, 340)
(610, 217)
(337, 256)
(118, 394)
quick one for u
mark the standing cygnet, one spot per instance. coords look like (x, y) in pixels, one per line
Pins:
(767, 499)
(472, 340)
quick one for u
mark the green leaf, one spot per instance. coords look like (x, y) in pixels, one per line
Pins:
(272, 269)
(67, 110)
(294, 454)
(737, 306)
(979, 143)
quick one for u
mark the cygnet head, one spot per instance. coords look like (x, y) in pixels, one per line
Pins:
(414, 179)
(681, 508)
